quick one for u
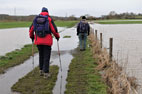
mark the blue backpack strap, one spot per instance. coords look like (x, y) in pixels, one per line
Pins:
(35, 23)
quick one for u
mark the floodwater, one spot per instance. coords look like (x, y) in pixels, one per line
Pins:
(15, 38)
(13, 74)
(127, 46)
(66, 46)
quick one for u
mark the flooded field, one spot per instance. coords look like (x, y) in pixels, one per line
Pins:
(127, 46)
(14, 38)
(67, 45)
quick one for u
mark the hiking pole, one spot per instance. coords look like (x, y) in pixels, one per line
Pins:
(60, 67)
(59, 55)
(33, 54)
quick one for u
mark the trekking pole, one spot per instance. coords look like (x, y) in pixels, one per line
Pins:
(60, 67)
(33, 54)
(59, 55)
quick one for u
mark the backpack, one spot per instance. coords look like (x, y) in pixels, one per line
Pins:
(41, 26)
(83, 27)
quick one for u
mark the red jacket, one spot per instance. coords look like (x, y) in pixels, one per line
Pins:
(47, 40)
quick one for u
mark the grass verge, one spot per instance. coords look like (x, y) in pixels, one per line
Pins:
(119, 21)
(33, 83)
(6, 24)
(82, 76)
(16, 57)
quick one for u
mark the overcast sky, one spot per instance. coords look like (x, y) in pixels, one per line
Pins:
(69, 7)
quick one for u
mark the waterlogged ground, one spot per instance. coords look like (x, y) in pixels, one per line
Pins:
(67, 45)
(127, 49)
(15, 38)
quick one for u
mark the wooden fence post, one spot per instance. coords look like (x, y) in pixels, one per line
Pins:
(110, 48)
(96, 34)
(101, 39)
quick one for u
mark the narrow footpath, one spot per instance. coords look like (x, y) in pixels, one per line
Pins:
(13, 74)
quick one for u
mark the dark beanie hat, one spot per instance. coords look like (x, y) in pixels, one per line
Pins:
(83, 17)
(44, 9)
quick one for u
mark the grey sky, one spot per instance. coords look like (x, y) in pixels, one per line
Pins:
(70, 7)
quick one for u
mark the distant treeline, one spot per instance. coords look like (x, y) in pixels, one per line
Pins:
(5, 17)
(111, 15)
(126, 15)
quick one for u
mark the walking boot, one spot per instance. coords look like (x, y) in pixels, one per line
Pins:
(41, 72)
(47, 75)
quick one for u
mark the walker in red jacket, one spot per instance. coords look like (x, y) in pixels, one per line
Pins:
(44, 44)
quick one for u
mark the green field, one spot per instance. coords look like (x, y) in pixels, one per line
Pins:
(122, 21)
(82, 76)
(27, 24)
(14, 24)
(65, 23)
(33, 83)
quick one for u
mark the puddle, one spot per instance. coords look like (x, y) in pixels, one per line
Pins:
(127, 46)
(66, 46)
(61, 82)
(13, 74)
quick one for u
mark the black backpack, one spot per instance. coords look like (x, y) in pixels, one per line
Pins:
(41, 26)
(83, 27)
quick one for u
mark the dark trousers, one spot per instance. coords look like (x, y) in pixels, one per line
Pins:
(44, 57)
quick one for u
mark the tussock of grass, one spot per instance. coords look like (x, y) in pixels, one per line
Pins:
(33, 83)
(67, 37)
(15, 57)
(82, 76)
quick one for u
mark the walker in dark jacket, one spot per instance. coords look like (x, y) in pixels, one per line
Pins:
(83, 30)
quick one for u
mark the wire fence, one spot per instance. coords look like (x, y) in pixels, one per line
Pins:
(127, 47)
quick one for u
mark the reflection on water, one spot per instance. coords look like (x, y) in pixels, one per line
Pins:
(127, 49)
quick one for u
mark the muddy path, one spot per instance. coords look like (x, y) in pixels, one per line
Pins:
(67, 45)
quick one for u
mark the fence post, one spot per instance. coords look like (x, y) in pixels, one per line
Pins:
(101, 39)
(110, 48)
(93, 32)
(96, 34)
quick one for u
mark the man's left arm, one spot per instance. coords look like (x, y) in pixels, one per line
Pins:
(88, 29)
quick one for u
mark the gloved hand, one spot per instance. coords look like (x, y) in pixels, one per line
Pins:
(88, 34)
(57, 38)
(77, 34)
(32, 39)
